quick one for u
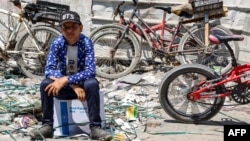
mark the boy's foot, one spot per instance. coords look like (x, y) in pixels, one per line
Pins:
(99, 134)
(46, 131)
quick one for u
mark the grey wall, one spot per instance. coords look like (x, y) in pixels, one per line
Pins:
(98, 12)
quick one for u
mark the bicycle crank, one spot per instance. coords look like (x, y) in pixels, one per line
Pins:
(166, 58)
(241, 94)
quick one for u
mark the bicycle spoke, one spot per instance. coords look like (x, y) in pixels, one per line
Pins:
(178, 92)
(33, 63)
(111, 62)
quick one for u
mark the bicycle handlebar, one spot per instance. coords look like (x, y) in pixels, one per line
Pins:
(16, 3)
(117, 9)
(136, 2)
(120, 12)
(19, 3)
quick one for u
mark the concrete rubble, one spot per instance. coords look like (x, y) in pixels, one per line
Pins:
(20, 106)
(20, 98)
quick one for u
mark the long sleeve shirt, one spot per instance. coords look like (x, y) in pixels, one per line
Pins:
(57, 60)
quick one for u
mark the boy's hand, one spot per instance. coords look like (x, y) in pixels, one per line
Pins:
(56, 86)
(80, 92)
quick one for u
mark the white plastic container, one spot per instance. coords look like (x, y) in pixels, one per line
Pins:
(71, 115)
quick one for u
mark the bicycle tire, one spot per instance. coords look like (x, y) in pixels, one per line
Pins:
(219, 59)
(129, 49)
(178, 83)
(104, 28)
(32, 65)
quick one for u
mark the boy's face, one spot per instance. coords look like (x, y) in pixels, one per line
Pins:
(71, 31)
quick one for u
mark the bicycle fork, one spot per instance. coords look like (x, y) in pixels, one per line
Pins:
(119, 38)
(12, 42)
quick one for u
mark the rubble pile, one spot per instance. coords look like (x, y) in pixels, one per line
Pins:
(20, 107)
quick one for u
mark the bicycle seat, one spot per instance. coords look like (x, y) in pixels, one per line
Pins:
(217, 36)
(164, 8)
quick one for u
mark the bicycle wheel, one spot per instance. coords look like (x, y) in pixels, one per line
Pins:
(125, 58)
(105, 28)
(32, 64)
(218, 56)
(178, 83)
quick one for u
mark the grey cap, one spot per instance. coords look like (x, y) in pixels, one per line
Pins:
(70, 16)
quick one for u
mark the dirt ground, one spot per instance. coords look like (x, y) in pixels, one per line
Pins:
(168, 129)
(212, 130)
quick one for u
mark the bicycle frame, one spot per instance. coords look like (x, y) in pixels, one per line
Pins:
(154, 41)
(237, 74)
(144, 32)
(14, 32)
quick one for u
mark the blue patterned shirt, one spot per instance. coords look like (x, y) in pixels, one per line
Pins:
(57, 60)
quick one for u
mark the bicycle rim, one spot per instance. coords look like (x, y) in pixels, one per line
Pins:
(33, 65)
(125, 58)
(174, 90)
(218, 57)
(105, 28)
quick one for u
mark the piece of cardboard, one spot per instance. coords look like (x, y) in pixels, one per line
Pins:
(71, 117)
(131, 78)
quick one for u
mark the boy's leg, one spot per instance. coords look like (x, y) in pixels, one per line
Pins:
(47, 104)
(91, 87)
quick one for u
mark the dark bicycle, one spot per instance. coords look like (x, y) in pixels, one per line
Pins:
(118, 47)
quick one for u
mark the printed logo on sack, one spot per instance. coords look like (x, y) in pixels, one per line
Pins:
(76, 109)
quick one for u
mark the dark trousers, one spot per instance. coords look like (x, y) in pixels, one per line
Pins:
(91, 87)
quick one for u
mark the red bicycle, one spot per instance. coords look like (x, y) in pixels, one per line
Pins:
(192, 93)
(118, 47)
